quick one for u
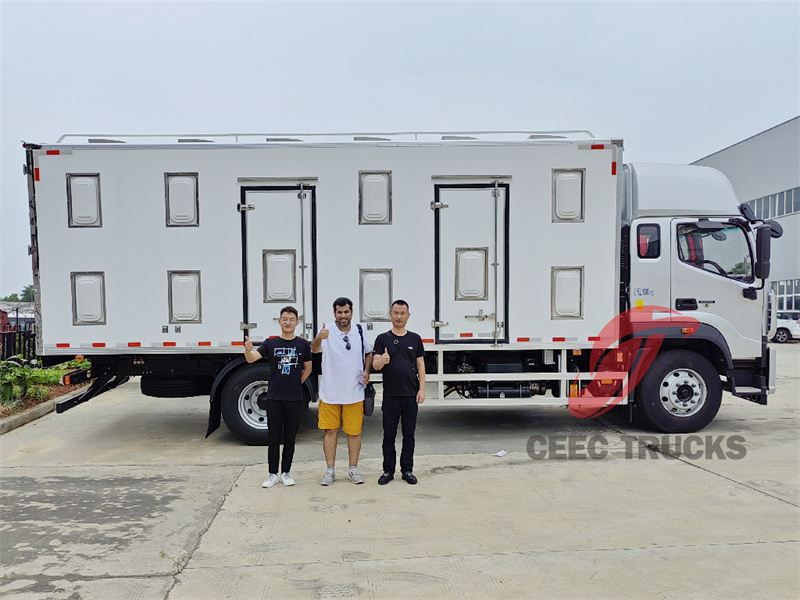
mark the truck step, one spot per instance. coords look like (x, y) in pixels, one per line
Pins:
(748, 390)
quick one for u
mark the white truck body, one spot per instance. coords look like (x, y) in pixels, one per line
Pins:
(154, 253)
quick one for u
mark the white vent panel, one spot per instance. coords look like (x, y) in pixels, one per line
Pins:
(375, 198)
(182, 200)
(375, 294)
(88, 299)
(84, 200)
(567, 293)
(279, 275)
(184, 297)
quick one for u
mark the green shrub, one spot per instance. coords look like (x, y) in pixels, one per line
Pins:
(38, 392)
(50, 376)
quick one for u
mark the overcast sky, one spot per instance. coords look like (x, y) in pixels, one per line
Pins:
(676, 81)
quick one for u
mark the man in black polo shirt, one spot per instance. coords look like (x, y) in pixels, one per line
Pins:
(289, 360)
(400, 356)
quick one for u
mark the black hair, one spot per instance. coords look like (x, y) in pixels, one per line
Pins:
(290, 309)
(342, 301)
(402, 303)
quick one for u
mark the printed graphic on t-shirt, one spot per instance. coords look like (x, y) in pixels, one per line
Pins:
(288, 359)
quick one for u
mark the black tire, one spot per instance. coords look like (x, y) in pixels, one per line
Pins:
(240, 410)
(680, 393)
(781, 336)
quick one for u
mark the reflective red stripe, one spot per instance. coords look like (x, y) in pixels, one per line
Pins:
(427, 341)
(170, 344)
(134, 344)
(594, 339)
(237, 343)
(203, 343)
(53, 152)
(36, 173)
(98, 345)
(613, 168)
(598, 146)
(465, 335)
(62, 345)
(560, 339)
(524, 339)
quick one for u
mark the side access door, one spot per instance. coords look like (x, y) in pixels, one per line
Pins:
(278, 257)
(471, 238)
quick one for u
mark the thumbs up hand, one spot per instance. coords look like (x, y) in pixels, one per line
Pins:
(323, 333)
(248, 345)
(385, 356)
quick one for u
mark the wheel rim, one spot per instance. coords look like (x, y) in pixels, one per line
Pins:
(683, 392)
(781, 336)
(249, 410)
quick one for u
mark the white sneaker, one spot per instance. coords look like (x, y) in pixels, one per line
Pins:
(330, 475)
(270, 481)
(354, 475)
(286, 480)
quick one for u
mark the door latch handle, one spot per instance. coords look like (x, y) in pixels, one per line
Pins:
(685, 304)
(480, 316)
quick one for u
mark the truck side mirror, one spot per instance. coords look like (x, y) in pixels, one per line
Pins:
(763, 250)
(775, 229)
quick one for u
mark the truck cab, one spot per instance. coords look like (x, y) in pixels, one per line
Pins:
(697, 254)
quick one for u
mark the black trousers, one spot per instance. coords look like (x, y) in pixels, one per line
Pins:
(396, 409)
(283, 418)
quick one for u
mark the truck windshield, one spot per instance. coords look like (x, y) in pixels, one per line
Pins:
(722, 251)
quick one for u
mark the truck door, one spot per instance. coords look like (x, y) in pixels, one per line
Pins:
(712, 265)
(471, 226)
(278, 257)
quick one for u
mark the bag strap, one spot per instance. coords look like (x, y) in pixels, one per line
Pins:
(411, 361)
(363, 354)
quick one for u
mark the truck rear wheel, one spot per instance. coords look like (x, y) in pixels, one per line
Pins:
(680, 393)
(240, 409)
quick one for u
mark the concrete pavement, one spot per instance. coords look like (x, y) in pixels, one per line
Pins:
(123, 498)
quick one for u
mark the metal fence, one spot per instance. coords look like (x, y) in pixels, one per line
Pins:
(17, 343)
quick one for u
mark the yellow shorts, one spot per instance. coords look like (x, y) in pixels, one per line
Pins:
(332, 415)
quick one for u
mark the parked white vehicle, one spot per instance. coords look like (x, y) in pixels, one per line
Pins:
(154, 256)
(787, 327)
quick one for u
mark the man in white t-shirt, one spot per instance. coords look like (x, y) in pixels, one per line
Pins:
(346, 363)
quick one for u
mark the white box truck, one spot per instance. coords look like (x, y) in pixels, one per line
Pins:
(524, 257)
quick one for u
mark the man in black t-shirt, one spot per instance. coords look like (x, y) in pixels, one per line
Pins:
(290, 365)
(400, 356)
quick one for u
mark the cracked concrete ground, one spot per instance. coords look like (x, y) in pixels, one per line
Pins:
(123, 498)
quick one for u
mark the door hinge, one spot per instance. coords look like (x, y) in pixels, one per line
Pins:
(436, 324)
(245, 207)
(437, 205)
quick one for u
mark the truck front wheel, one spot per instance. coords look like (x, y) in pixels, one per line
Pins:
(680, 393)
(240, 409)
(781, 336)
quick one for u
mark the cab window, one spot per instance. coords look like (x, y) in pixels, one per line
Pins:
(721, 250)
(648, 239)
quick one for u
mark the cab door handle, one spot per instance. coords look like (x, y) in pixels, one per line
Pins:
(685, 304)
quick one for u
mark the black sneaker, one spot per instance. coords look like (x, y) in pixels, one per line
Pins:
(409, 477)
(385, 478)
